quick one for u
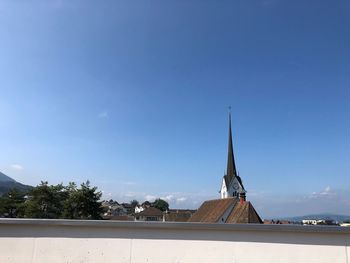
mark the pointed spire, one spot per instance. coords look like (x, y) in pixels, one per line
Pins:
(231, 166)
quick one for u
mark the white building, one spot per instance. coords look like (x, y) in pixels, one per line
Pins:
(139, 209)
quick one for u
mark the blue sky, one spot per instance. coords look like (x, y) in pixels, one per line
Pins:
(133, 96)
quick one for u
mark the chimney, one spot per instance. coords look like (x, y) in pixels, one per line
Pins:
(242, 197)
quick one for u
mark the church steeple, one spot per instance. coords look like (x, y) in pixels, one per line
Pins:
(231, 184)
(231, 166)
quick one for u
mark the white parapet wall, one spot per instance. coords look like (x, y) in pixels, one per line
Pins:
(63, 241)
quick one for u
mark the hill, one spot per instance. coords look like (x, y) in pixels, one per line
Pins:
(7, 183)
(5, 178)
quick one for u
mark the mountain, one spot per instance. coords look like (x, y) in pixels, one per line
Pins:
(5, 178)
(7, 183)
(335, 217)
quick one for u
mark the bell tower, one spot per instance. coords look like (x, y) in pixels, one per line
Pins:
(232, 185)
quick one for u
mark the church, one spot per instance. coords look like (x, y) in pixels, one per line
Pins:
(232, 207)
(232, 185)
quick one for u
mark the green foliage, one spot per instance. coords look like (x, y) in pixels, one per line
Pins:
(161, 204)
(134, 203)
(59, 201)
(347, 221)
(12, 204)
(83, 203)
(53, 201)
(146, 203)
(46, 201)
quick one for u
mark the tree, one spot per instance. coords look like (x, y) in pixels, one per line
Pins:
(46, 201)
(134, 203)
(161, 204)
(53, 201)
(83, 203)
(12, 204)
(146, 204)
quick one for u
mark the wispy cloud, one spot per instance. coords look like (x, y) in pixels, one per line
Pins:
(130, 195)
(17, 167)
(168, 198)
(259, 193)
(181, 199)
(103, 115)
(150, 198)
(327, 192)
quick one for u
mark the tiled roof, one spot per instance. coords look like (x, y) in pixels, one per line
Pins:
(211, 211)
(244, 213)
(151, 211)
(192, 211)
(179, 215)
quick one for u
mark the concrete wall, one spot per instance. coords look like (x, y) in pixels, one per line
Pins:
(53, 241)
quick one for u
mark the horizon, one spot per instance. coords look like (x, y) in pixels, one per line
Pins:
(281, 217)
(134, 97)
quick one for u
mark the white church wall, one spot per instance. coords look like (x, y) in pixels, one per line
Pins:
(223, 191)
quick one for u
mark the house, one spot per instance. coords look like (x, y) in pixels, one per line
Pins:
(318, 222)
(113, 208)
(139, 208)
(129, 208)
(150, 214)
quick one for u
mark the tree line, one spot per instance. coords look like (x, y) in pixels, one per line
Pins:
(53, 201)
(158, 203)
(61, 202)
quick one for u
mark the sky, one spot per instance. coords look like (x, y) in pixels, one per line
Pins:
(133, 96)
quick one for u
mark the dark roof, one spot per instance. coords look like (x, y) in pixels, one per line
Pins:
(227, 180)
(127, 205)
(192, 211)
(212, 210)
(150, 211)
(231, 166)
(240, 181)
(179, 215)
(231, 171)
(244, 213)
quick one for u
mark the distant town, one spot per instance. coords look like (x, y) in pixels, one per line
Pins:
(84, 202)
